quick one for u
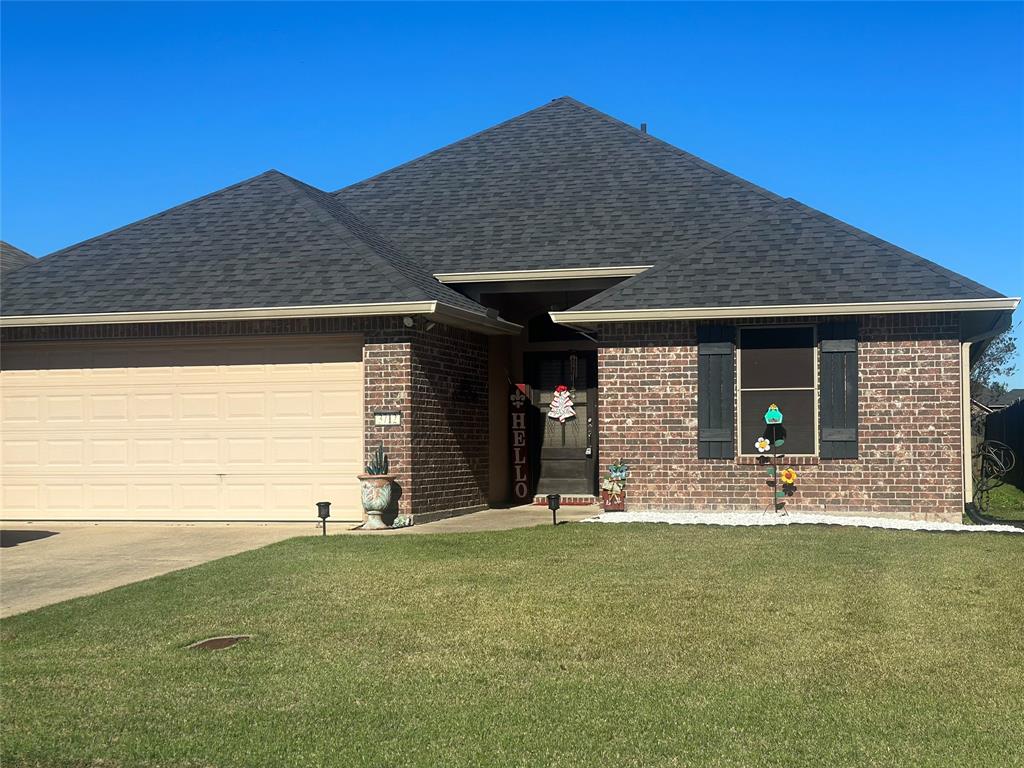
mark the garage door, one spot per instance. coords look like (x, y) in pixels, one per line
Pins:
(227, 429)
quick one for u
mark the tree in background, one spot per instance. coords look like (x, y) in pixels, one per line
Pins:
(993, 367)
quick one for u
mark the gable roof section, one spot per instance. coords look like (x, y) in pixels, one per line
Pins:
(12, 257)
(561, 186)
(790, 256)
(565, 186)
(267, 242)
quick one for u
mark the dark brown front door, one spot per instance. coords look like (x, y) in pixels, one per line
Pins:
(565, 453)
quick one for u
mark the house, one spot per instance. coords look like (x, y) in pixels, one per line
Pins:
(235, 357)
(995, 399)
(1008, 398)
(12, 258)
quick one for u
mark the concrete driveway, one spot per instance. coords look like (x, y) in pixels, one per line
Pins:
(42, 563)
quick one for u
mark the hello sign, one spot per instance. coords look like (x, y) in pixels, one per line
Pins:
(520, 453)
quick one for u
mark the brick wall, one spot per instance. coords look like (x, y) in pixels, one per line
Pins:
(908, 465)
(909, 449)
(387, 386)
(450, 421)
(438, 453)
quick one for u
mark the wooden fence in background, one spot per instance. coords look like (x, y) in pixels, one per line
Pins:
(1007, 426)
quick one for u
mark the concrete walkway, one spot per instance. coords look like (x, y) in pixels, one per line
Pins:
(492, 520)
(44, 563)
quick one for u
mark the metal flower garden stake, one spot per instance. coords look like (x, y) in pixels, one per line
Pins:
(767, 446)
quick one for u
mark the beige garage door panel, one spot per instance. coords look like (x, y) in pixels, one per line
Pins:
(254, 429)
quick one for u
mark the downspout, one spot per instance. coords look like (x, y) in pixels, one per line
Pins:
(965, 423)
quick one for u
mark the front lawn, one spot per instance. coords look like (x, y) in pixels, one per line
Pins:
(581, 645)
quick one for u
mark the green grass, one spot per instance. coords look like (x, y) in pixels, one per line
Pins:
(581, 645)
(1006, 503)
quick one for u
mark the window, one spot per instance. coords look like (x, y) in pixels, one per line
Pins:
(777, 365)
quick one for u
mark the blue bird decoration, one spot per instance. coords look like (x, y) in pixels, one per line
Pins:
(773, 415)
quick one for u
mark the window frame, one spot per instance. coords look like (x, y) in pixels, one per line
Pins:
(742, 451)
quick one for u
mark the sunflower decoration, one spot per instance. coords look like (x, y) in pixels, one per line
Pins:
(788, 476)
(762, 444)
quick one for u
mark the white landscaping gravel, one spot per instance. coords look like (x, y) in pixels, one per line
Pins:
(793, 518)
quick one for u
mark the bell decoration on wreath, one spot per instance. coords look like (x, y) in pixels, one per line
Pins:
(561, 405)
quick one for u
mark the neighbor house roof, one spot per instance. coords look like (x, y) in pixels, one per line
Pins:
(12, 257)
(560, 188)
(268, 242)
(1009, 398)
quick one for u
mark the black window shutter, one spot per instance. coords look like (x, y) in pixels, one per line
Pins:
(716, 391)
(837, 383)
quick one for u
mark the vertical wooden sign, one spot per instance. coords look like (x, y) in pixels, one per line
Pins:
(520, 451)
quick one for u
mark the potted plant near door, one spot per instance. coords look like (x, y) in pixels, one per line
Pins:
(375, 487)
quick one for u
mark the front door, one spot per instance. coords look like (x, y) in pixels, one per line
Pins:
(565, 452)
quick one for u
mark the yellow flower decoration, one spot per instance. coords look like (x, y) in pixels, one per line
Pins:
(788, 476)
(762, 444)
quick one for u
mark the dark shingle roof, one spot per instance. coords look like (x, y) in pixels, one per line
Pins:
(1009, 398)
(567, 186)
(791, 254)
(561, 186)
(270, 241)
(12, 257)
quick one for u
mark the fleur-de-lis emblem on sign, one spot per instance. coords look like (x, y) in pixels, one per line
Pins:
(517, 398)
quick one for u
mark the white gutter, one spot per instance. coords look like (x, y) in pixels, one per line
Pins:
(463, 318)
(444, 313)
(782, 310)
(580, 273)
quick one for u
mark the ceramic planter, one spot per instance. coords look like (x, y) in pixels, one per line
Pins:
(376, 495)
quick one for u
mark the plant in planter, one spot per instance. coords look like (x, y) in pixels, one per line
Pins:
(613, 487)
(376, 490)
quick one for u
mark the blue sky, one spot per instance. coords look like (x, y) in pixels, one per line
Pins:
(904, 119)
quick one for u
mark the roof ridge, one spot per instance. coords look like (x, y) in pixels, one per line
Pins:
(878, 242)
(689, 156)
(393, 258)
(682, 153)
(11, 247)
(319, 210)
(166, 211)
(455, 143)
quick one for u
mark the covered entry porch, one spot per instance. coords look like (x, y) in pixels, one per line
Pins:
(544, 410)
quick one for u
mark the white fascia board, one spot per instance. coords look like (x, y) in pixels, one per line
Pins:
(443, 312)
(246, 313)
(580, 273)
(789, 310)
